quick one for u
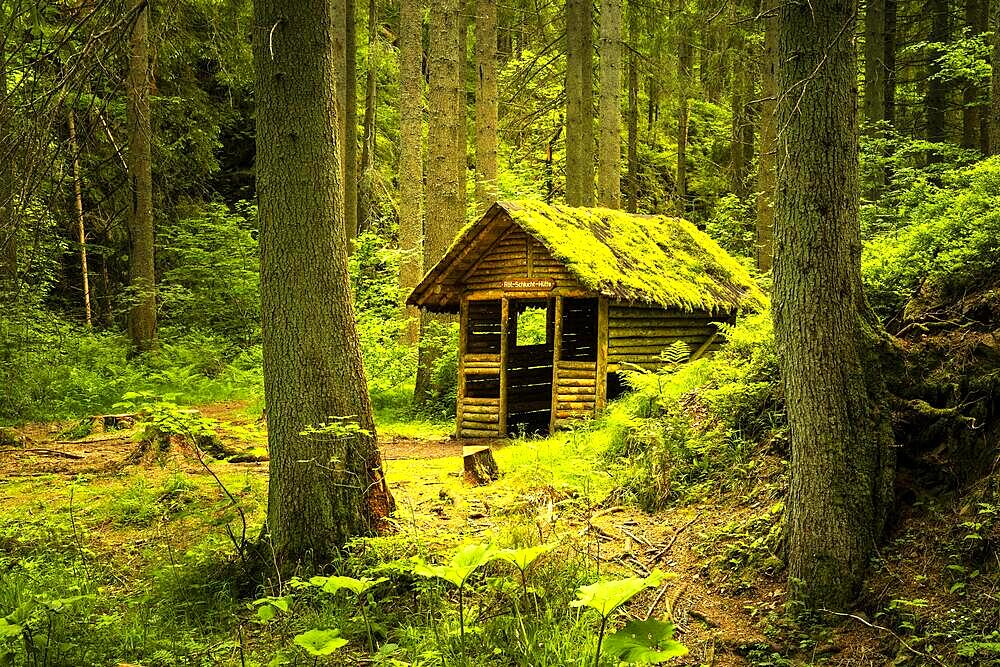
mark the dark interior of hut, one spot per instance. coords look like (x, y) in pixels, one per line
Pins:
(530, 332)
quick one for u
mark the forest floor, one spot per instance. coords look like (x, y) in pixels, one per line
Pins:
(139, 514)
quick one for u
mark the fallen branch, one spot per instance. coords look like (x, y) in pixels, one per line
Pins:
(663, 552)
(44, 452)
(875, 626)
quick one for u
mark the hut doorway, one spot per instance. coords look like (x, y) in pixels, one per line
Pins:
(529, 365)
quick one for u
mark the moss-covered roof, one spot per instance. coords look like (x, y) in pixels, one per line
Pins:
(651, 259)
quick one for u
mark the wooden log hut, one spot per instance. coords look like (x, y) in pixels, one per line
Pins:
(554, 301)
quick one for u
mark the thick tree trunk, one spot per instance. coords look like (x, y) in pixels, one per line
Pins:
(889, 58)
(350, 145)
(411, 165)
(683, 90)
(936, 99)
(609, 187)
(445, 174)
(142, 278)
(324, 487)
(579, 104)
(462, 147)
(486, 104)
(767, 159)
(366, 172)
(841, 466)
(81, 230)
(632, 195)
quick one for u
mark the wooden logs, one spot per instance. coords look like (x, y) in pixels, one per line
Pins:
(480, 466)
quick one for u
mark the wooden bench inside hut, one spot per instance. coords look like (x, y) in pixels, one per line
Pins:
(555, 301)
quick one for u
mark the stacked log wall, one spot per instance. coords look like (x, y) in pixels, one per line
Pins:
(637, 335)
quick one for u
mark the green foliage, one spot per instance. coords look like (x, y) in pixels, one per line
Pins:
(648, 642)
(320, 643)
(605, 597)
(945, 241)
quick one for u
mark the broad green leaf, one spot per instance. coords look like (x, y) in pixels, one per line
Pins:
(648, 642)
(606, 596)
(9, 630)
(357, 586)
(522, 558)
(465, 561)
(320, 642)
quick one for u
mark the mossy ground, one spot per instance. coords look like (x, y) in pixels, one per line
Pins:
(147, 541)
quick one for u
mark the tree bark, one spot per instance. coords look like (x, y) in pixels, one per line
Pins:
(841, 463)
(366, 171)
(936, 98)
(738, 165)
(411, 166)
(975, 19)
(324, 487)
(683, 86)
(609, 187)
(445, 176)
(889, 58)
(8, 224)
(486, 104)
(81, 230)
(875, 66)
(632, 185)
(142, 277)
(350, 145)
(579, 104)
(767, 160)
(994, 140)
(462, 147)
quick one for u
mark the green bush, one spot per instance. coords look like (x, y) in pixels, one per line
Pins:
(945, 242)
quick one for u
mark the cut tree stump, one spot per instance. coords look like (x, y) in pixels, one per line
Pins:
(480, 466)
(107, 423)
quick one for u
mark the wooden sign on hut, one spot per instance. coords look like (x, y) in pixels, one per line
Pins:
(554, 301)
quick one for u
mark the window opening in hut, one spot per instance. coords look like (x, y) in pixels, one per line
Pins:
(579, 330)
(532, 327)
(483, 328)
(529, 365)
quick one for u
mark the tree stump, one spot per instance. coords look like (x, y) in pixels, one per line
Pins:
(480, 466)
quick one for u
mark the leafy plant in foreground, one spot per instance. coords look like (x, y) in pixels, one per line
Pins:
(605, 597)
(360, 588)
(457, 572)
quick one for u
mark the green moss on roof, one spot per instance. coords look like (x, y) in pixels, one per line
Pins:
(654, 259)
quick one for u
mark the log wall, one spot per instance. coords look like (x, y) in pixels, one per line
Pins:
(637, 334)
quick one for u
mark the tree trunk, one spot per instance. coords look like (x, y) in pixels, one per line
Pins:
(324, 487)
(486, 104)
(81, 230)
(366, 171)
(936, 99)
(350, 145)
(462, 147)
(975, 19)
(411, 165)
(632, 184)
(767, 159)
(8, 224)
(683, 85)
(875, 66)
(889, 58)
(841, 465)
(738, 165)
(609, 187)
(994, 141)
(445, 182)
(142, 314)
(579, 104)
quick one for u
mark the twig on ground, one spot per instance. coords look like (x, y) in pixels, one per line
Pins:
(875, 626)
(663, 552)
(44, 452)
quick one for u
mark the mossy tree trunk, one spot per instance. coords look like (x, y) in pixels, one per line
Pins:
(994, 111)
(366, 171)
(609, 186)
(411, 155)
(841, 464)
(324, 488)
(632, 121)
(936, 97)
(683, 91)
(579, 104)
(486, 104)
(445, 170)
(975, 21)
(350, 145)
(142, 277)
